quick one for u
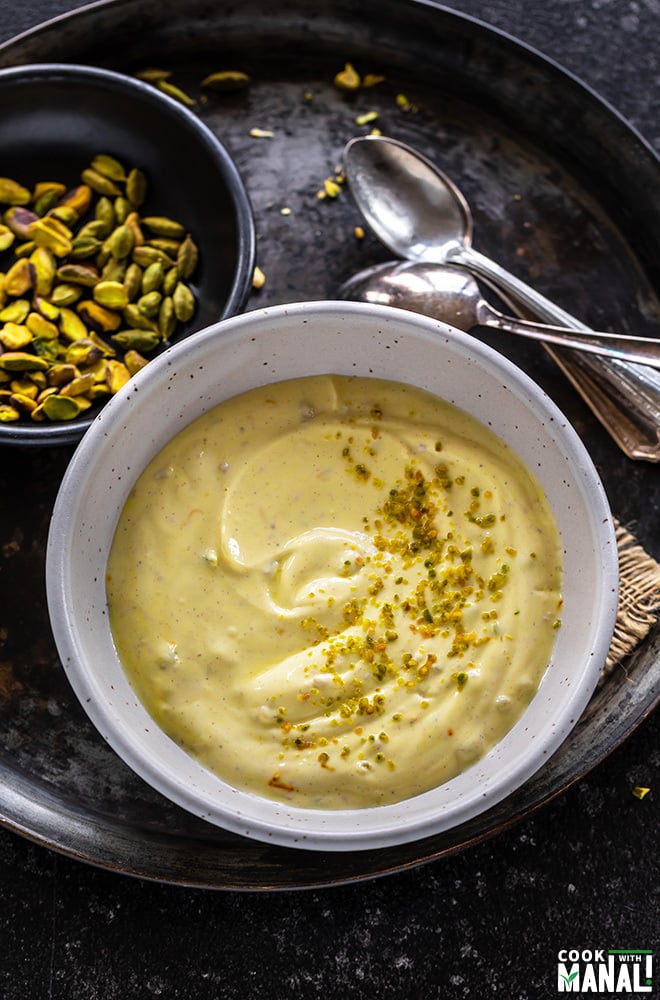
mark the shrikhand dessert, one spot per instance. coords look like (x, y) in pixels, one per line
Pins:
(336, 592)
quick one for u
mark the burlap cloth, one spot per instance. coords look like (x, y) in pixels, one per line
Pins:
(639, 598)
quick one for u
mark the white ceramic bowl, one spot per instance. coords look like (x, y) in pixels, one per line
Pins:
(286, 342)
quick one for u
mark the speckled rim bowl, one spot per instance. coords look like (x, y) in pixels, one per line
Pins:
(54, 118)
(285, 342)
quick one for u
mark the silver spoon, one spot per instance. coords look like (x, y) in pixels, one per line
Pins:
(451, 294)
(421, 215)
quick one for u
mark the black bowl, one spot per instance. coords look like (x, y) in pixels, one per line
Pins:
(55, 118)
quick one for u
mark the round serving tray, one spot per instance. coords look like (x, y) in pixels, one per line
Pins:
(564, 193)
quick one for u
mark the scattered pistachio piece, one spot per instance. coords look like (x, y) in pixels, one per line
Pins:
(227, 80)
(153, 74)
(403, 103)
(175, 92)
(348, 78)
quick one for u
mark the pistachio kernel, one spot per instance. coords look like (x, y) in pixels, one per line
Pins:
(149, 304)
(166, 318)
(45, 266)
(18, 219)
(8, 414)
(60, 374)
(134, 361)
(136, 187)
(133, 279)
(41, 327)
(187, 257)
(25, 404)
(108, 167)
(13, 193)
(53, 234)
(117, 375)
(78, 385)
(111, 294)
(15, 312)
(135, 319)
(184, 302)
(46, 308)
(6, 238)
(19, 279)
(65, 294)
(114, 270)
(160, 225)
(78, 199)
(121, 242)
(21, 361)
(97, 182)
(98, 317)
(15, 336)
(78, 274)
(152, 278)
(136, 340)
(57, 407)
(71, 326)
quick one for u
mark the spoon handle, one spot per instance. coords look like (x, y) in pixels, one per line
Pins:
(643, 350)
(624, 396)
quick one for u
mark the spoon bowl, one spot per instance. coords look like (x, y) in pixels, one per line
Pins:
(451, 294)
(414, 209)
(421, 215)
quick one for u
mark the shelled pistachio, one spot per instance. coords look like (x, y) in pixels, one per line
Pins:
(88, 287)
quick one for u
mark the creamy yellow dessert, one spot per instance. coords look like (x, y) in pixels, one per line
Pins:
(338, 592)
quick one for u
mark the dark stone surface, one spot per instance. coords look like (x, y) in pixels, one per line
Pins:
(581, 873)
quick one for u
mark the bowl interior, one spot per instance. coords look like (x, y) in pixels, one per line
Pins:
(55, 119)
(286, 342)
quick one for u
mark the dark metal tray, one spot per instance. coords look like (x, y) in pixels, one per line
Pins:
(564, 193)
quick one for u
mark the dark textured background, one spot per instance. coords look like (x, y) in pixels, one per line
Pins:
(583, 872)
